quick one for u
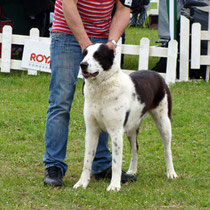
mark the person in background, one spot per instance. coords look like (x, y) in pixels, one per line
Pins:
(76, 25)
(139, 12)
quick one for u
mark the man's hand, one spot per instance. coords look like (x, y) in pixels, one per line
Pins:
(85, 45)
(119, 23)
(111, 46)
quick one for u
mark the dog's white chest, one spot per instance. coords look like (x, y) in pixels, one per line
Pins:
(107, 112)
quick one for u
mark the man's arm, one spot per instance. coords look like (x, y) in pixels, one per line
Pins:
(119, 23)
(74, 22)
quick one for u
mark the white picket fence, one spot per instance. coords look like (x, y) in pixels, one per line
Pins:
(144, 50)
(197, 59)
(7, 39)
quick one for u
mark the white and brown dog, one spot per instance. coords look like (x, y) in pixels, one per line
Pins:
(116, 102)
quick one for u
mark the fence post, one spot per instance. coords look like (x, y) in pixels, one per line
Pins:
(144, 54)
(6, 49)
(171, 62)
(196, 46)
(34, 35)
(208, 67)
(184, 49)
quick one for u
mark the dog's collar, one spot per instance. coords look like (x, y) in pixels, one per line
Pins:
(104, 80)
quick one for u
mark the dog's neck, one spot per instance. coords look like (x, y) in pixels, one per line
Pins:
(115, 71)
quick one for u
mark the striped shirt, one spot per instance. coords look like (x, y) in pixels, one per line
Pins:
(95, 15)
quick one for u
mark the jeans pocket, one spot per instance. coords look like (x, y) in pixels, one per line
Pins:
(57, 37)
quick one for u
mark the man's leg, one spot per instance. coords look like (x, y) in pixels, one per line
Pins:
(65, 60)
(133, 20)
(103, 158)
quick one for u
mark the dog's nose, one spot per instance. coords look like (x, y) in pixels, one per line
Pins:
(84, 65)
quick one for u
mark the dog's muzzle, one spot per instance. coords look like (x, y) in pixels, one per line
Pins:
(85, 73)
(84, 66)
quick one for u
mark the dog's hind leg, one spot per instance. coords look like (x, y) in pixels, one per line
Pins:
(91, 142)
(163, 123)
(132, 137)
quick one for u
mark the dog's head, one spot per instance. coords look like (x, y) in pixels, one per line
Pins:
(97, 59)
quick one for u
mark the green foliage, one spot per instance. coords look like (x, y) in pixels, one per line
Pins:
(23, 107)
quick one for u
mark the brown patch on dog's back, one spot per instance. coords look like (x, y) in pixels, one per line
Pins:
(151, 89)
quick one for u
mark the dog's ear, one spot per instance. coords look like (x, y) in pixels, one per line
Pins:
(111, 51)
(105, 56)
(84, 53)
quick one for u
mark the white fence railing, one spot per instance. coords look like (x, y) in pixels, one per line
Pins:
(7, 39)
(197, 59)
(144, 50)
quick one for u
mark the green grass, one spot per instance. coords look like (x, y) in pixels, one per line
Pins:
(133, 36)
(23, 107)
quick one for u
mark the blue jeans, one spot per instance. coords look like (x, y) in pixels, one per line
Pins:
(66, 56)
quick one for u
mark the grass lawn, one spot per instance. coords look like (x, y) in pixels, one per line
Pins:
(23, 107)
(133, 36)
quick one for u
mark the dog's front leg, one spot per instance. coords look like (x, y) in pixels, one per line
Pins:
(117, 149)
(91, 141)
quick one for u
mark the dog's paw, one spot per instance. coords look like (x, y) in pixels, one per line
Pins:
(171, 174)
(81, 183)
(113, 187)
